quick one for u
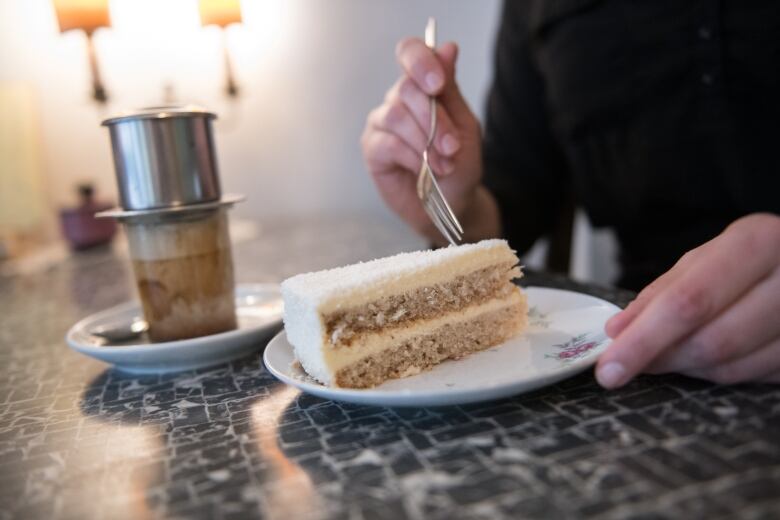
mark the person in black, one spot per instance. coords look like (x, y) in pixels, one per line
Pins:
(661, 120)
(662, 117)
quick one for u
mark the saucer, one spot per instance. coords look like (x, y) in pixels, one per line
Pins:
(258, 309)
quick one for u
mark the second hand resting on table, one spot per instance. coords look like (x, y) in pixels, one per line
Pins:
(714, 315)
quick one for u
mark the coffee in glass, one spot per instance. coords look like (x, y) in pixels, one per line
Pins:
(184, 273)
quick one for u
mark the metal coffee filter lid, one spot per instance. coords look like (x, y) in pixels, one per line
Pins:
(164, 157)
(162, 112)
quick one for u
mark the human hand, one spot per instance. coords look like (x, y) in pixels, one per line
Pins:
(396, 133)
(715, 315)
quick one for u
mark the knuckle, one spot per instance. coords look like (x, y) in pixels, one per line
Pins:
(402, 44)
(381, 150)
(752, 219)
(367, 140)
(370, 149)
(756, 230)
(392, 115)
(399, 47)
(391, 94)
(688, 258)
(392, 146)
(645, 294)
(690, 304)
(373, 116)
(407, 90)
(711, 349)
(366, 136)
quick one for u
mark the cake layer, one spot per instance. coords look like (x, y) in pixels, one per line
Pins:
(422, 351)
(323, 363)
(359, 284)
(344, 327)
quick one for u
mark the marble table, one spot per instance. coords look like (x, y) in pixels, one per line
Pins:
(80, 440)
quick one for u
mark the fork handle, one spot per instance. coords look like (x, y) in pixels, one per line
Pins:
(430, 33)
(430, 42)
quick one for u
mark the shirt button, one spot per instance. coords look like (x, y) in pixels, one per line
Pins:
(705, 33)
(707, 79)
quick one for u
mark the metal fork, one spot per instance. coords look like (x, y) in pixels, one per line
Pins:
(428, 189)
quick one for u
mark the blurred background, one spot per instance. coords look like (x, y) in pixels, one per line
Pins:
(305, 75)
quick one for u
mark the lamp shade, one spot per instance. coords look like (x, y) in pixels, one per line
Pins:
(82, 14)
(219, 12)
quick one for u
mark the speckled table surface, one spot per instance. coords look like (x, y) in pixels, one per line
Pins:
(80, 440)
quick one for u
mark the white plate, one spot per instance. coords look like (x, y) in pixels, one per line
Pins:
(259, 312)
(565, 336)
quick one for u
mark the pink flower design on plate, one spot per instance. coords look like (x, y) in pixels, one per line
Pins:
(576, 348)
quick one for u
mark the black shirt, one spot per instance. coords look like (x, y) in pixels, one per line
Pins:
(661, 117)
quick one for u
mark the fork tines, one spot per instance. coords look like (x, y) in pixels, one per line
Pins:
(436, 205)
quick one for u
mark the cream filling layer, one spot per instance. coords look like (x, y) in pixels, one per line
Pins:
(338, 358)
(430, 275)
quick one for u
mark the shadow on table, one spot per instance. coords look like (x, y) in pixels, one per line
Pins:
(520, 450)
(173, 441)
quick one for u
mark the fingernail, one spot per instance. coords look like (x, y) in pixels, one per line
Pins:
(433, 81)
(448, 166)
(611, 375)
(449, 144)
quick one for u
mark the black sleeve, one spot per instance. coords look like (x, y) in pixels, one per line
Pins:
(524, 168)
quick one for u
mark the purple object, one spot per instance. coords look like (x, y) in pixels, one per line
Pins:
(80, 227)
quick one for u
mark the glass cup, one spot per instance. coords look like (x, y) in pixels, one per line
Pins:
(184, 272)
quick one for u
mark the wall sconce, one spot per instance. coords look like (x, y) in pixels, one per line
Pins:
(86, 15)
(222, 13)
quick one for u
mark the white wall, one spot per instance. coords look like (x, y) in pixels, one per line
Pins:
(310, 70)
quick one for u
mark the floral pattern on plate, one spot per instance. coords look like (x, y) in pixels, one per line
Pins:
(537, 318)
(577, 347)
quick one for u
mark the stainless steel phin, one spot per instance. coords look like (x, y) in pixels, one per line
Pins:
(164, 157)
(175, 218)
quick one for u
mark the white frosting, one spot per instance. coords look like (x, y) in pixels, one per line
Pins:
(358, 284)
(308, 296)
(305, 331)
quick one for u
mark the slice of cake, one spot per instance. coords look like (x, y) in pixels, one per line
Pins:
(359, 325)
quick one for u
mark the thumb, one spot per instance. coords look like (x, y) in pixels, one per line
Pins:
(451, 96)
